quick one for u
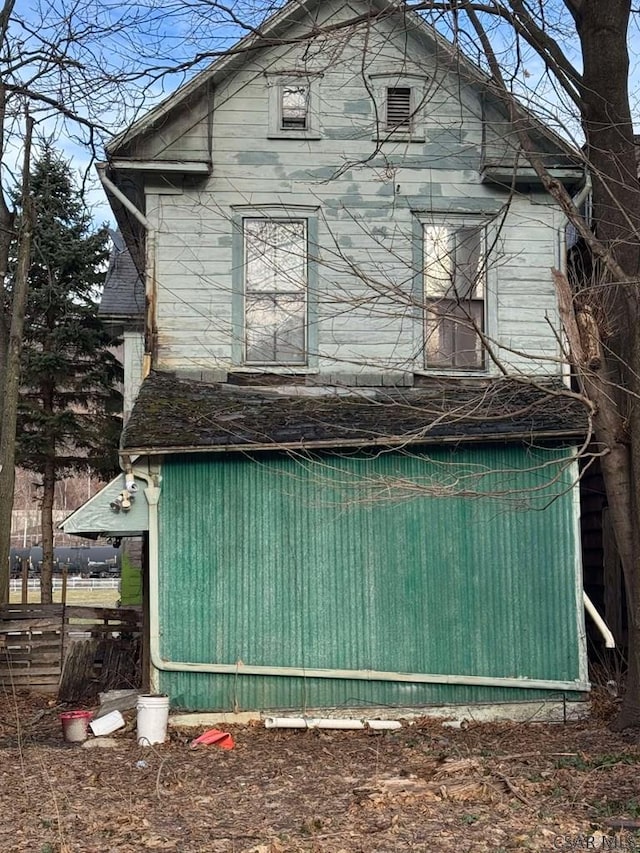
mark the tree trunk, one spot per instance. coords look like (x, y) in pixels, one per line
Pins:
(611, 151)
(11, 387)
(7, 218)
(46, 519)
(47, 389)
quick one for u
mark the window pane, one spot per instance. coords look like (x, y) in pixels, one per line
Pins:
(454, 262)
(469, 263)
(275, 255)
(451, 339)
(439, 256)
(295, 106)
(275, 329)
(275, 291)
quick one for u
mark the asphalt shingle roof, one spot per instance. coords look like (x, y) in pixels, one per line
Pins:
(123, 295)
(175, 415)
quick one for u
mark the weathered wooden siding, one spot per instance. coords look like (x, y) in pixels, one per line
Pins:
(179, 137)
(133, 352)
(332, 564)
(366, 197)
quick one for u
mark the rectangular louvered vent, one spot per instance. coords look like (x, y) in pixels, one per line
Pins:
(399, 109)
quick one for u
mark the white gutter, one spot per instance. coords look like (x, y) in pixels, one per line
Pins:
(601, 625)
(152, 493)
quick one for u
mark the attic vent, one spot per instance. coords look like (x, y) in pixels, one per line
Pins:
(399, 109)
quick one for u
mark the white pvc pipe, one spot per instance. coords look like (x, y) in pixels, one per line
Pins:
(329, 723)
(601, 625)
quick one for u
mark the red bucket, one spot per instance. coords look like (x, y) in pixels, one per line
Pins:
(75, 725)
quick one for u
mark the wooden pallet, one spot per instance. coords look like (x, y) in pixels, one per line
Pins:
(35, 640)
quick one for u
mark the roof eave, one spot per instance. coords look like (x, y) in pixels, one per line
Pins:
(386, 441)
(181, 167)
(508, 175)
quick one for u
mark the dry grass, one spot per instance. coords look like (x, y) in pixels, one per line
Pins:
(89, 597)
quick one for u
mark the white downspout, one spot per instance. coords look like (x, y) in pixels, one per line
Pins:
(601, 625)
(113, 190)
(152, 495)
(582, 196)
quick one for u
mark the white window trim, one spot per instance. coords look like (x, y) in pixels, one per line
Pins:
(275, 83)
(382, 81)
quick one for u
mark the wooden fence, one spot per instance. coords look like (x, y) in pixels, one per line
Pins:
(72, 651)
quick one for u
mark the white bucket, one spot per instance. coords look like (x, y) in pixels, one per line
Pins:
(153, 716)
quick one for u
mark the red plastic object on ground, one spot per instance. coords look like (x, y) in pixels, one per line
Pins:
(214, 736)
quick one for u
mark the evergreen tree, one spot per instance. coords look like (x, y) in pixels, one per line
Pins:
(69, 409)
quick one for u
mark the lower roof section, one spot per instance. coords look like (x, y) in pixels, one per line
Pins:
(96, 517)
(175, 415)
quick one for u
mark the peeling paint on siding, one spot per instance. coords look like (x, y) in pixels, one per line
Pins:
(257, 158)
(361, 106)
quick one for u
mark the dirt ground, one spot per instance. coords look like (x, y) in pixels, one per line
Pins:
(428, 787)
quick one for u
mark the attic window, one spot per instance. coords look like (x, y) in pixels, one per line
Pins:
(294, 107)
(294, 97)
(399, 109)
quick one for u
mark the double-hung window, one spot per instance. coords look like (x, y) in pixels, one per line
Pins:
(275, 291)
(454, 296)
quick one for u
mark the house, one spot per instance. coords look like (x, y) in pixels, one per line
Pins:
(353, 448)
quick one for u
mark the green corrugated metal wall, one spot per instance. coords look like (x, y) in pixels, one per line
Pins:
(351, 562)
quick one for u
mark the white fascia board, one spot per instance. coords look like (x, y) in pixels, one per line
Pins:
(198, 167)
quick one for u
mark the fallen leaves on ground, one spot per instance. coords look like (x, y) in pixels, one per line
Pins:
(483, 787)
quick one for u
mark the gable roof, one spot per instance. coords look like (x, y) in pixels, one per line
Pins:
(173, 415)
(273, 30)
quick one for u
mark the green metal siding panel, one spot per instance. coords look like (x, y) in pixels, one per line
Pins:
(284, 562)
(247, 693)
